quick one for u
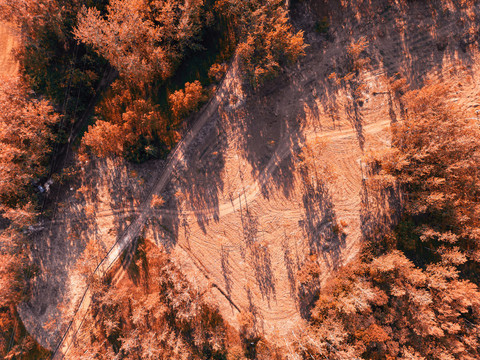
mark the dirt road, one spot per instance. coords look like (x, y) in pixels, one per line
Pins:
(144, 211)
(243, 211)
(250, 193)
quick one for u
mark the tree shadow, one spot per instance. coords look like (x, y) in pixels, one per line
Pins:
(408, 37)
(322, 231)
(165, 221)
(103, 193)
(226, 270)
(381, 210)
(198, 178)
(325, 237)
(252, 309)
(414, 38)
(258, 255)
(268, 126)
(292, 267)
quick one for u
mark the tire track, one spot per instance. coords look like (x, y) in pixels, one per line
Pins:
(145, 211)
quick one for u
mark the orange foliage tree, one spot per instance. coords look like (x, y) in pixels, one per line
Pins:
(162, 317)
(389, 309)
(266, 38)
(104, 139)
(128, 124)
(436, 160)
(185, 101)
(142, 39)
(387, 306)
(29, 14)
(25, 135)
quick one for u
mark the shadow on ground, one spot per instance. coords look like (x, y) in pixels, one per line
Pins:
(410, 38)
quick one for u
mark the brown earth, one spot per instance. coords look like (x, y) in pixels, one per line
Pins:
(8, 41)
(243, 210)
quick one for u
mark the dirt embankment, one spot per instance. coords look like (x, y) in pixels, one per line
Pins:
(243, 210)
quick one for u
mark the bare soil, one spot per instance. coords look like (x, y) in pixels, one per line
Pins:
(8, 41)
(243, 210)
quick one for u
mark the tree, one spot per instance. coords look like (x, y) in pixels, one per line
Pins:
(25, 135)
(128, 124)
(436, 160)
(217, 71)
(385, 305)
(266, 39)
(388, 308)
(142, 39)
(51, 61)
(185, 101)
(104, 139)
(164, 316)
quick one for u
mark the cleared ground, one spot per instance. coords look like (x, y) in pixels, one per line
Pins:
(243, 210)
(8, 40)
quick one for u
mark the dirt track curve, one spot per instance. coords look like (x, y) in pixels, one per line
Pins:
(144, 212)
(242, 210)
(284, 149)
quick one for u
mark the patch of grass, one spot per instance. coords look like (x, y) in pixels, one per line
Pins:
(215, 47)
(322, 26)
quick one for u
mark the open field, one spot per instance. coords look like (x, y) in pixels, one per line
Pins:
(242, 209)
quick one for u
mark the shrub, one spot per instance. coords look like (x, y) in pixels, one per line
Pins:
(322, 26)
(183, 102)
(157, 201)
(217, 71)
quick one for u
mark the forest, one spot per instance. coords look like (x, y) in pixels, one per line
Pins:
(128, 80)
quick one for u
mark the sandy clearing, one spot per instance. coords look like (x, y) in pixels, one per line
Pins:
(266, 259)
(241, 215)
(259, 273)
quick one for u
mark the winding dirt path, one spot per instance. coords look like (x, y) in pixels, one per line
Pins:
(227, 207)
(256, 220)
(144, 212)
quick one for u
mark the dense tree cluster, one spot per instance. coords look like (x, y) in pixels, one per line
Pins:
(158, 314)
(52, 63)
(146, 42)
(161, 317)
(25, 135)
(390, 309)
(143, 39)
(266, 40)
(128, 124)
(436, 160)
(413, 296)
